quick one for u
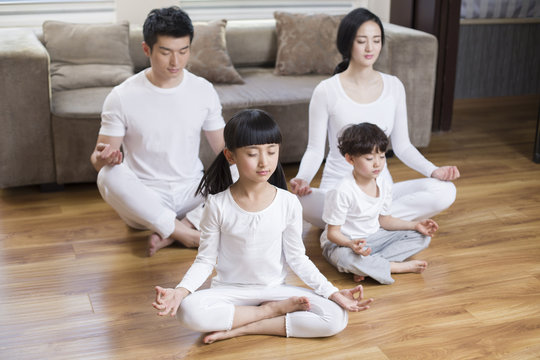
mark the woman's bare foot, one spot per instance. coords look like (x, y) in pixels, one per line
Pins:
(155, 242)
(412, 266)
(358, 278)
(282, 307)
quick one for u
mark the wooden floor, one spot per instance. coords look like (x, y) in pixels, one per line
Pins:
(75, 282)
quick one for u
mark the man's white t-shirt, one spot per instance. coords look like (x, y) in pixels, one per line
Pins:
(356, 212)
(253, 248)
(162, 127)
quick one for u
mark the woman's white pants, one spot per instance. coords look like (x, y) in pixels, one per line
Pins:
(411, 200)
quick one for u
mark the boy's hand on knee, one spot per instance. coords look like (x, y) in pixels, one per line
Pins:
(168, 300)
(359, 247)
(426, 227)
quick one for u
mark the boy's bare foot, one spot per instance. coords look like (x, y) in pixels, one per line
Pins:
(358, 278)
(282, 307)
(412, 266)
(155, 242)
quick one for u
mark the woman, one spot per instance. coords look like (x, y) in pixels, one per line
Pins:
(358, 93)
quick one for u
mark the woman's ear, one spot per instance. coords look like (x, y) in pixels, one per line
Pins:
(229, 156)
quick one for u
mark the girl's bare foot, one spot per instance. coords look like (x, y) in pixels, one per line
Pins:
(155, 242)
(282, 307)
(358, 278)
(412, 266)
(219, 335)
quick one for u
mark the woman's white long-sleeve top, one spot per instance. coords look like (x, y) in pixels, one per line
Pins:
(331, 109)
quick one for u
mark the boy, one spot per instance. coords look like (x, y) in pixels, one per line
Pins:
(361, 237)
(157, 116)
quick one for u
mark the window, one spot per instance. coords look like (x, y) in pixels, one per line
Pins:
(203, 10)
(32, 13)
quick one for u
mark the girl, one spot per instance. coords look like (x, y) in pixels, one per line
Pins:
(250, 231)
(358, 93)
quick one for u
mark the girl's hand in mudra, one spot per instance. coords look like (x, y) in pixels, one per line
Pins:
(168, 300)
(351, 299)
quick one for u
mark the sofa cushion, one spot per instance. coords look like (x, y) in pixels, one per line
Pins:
(306, 43)
(209, 57)
(87, 55)
(262, 87)
(80, 103)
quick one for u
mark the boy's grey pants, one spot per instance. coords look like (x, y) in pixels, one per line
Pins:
(386, 246)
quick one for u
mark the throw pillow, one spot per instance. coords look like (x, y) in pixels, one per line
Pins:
(87, 55)
(209, 56)
(306, 43)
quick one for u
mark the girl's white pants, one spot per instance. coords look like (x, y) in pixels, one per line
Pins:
(213, 309)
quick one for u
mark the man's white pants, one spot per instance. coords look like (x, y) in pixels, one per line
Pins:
(147, 204)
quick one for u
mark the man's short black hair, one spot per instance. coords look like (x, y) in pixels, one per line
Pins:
(171, 21)
(361, 139)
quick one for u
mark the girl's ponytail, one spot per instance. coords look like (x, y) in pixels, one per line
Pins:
(216, 178)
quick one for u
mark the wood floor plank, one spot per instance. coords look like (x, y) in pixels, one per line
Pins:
(75, 282)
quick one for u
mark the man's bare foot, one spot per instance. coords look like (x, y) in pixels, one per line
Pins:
(412, 266)
(155, 242)
(358, 278)
(282, 307)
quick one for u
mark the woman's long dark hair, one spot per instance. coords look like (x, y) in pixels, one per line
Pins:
(245, 128)
(347, 33)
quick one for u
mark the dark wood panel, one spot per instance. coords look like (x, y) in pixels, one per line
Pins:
(498, 60)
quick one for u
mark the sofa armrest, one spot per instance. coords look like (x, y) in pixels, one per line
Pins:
(26, 150)
(411, 55)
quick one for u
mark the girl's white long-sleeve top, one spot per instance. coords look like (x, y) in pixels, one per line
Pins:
(253, 248)
(331, 109)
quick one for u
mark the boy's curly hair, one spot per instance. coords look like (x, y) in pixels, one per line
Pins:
(361, 139)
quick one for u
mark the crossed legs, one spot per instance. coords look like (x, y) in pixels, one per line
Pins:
(153, 205)
(226, 312)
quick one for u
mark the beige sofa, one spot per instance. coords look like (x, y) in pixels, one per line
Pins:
(48, 139)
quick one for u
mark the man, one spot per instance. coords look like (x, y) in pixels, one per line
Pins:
(157, 116)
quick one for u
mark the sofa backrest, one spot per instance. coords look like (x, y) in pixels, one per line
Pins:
(252, 42)
(249, 43)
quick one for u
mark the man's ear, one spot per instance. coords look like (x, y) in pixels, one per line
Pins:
(349, 159)
(146, 49)
(229, 156)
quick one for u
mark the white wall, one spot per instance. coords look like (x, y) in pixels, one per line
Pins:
(381, 8)
(15, 14)
(135, 11)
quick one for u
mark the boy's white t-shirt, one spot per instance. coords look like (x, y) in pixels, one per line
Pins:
(162, 127)
(357, 213)
(331, 109)
(253, 248)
